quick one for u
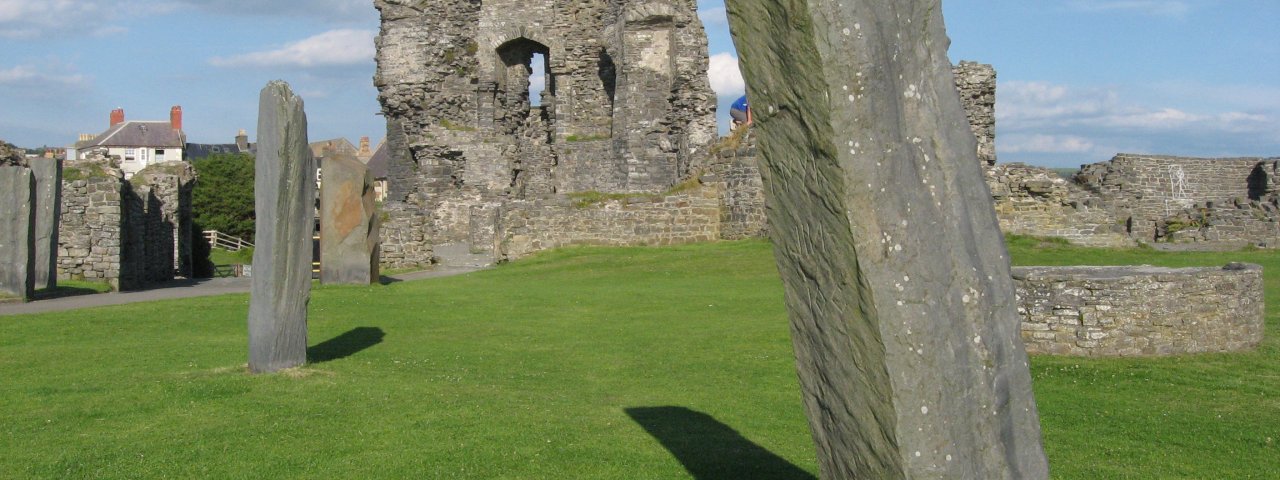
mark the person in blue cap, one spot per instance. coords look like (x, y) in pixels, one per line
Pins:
(741, 112)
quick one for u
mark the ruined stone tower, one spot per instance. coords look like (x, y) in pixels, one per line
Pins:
(627, 106)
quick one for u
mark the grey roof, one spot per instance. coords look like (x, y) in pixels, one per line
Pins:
(379, 162)
(195, 151)
(138, 134)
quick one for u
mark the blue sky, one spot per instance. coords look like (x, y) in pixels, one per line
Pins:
(1080, 80)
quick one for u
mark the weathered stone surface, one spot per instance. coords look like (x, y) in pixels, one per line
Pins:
(48, 205)
(627, 107)
(897, 279)
(17, 229)
(91, 230)
(157, 230)
(11, 155)
(285, 194)
(1140, 311)
(348, 223)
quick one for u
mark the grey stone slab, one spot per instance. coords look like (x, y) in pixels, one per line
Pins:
(285, 194)
(897, 278)
(17, 222)
(48, 208)
(348, 223)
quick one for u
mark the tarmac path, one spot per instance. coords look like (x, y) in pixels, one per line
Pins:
(205, 287)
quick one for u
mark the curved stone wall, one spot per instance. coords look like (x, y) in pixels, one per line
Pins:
(1140, 311)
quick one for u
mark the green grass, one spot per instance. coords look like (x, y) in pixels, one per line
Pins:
(226, 257)
(560, 366)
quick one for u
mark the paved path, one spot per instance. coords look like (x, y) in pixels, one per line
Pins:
(182, 289)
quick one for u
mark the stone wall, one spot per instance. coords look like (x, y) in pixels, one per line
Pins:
(90, 230)
(736, 173)
(1143, 198)
(1132, 311)
(977, 85)
(525, 227)
(127, 234)
(1149, 188)
(158, 226)
(1037, 201)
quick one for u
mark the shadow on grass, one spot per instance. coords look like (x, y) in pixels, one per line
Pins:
(62, 292)
(711, 450)
(345, 345)
(385, 280)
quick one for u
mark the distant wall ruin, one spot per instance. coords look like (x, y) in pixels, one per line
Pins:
(1144, 198)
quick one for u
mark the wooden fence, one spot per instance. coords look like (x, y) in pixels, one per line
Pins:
(226, 242)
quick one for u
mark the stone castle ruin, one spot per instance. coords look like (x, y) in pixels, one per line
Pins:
(127, 233)
(1144, 198)
(627, 116)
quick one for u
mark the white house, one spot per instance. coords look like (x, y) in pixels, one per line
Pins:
(137, 143)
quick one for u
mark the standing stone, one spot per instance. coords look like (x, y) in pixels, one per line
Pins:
(17, 235)
(285, 193)
(48, 207)
(348, 223)
(897, 278)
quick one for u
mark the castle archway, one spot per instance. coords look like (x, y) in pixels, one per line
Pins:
(515, 72)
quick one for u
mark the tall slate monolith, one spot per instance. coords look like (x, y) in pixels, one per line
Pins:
(284, 198)
(348, 223)
(17, 231)
(897, 279)
(48, 208)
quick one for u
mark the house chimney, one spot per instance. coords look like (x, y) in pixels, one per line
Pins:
(364, 146)
(117, 117)
(175, 117)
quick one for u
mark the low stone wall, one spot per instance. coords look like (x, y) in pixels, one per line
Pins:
(736, 173)
(525, 227)
(1140, 311)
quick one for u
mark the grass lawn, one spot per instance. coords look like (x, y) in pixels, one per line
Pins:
(580, 363)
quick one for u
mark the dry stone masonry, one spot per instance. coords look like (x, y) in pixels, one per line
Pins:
(92, 222)
(897, 280)
(157, 244)
(627, 107)
(130, 234)
(626, 110)
(285, 194)
(1144, 198)
(1140, 311)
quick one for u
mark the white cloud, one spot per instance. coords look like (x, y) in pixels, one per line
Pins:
(334, 48)
(23, 19)
(1160, 8)
(1036, 143)
(715, 16)
(1036, 119)
(28, 76)
(726, 78)
(337, 11)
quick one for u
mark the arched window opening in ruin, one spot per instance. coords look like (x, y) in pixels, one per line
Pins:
(522, 60)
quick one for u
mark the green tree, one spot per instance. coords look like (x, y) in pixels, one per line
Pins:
(223, 196)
